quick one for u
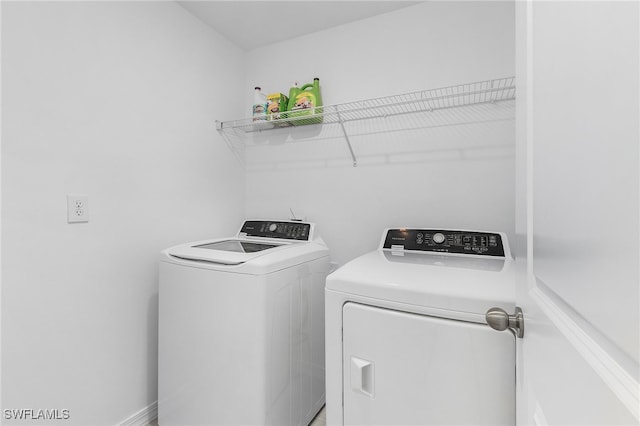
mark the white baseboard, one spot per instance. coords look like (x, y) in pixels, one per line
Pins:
(142, 417)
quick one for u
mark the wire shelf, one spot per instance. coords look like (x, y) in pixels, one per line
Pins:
(425, 101)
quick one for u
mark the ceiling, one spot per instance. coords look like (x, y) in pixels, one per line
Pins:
(252, 24)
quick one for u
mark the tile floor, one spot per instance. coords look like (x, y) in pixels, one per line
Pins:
(319, 420)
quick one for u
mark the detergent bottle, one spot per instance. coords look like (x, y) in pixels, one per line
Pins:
(293, 92)
(305, 102)
(259, 105)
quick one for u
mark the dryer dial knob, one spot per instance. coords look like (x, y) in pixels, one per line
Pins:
(438, 238)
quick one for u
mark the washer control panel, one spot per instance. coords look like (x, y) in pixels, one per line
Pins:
(273, 229)
(445, 241)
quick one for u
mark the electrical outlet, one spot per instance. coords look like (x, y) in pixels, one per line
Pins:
(77, 208)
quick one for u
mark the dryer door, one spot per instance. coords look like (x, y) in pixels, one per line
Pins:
(404, 368)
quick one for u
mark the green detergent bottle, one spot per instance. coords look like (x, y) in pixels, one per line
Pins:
(305, 102)
(293, 92)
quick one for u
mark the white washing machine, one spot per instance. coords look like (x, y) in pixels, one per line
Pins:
(407, 341)
(241, 328)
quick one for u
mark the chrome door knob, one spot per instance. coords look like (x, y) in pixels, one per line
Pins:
(500, 320)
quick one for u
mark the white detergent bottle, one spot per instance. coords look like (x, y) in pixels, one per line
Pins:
(259, 105)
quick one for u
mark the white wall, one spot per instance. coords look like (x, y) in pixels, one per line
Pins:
(458, 176)
(116, 100)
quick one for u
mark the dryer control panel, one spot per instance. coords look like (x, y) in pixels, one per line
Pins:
(273, 229)
(445, 241)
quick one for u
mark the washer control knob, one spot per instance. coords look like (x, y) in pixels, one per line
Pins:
(273, 227)
(438, 238)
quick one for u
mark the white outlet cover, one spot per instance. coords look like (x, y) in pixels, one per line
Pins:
(77, 208)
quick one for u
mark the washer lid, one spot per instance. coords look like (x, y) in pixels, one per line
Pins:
(258, 256)
(230, 251)
(237, 246)
(260, 247)
(431, 280)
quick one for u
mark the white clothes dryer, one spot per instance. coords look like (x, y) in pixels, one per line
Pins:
(407, 341)
(241, 327)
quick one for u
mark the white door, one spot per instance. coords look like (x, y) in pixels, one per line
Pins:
(578, 212)
(406, 369)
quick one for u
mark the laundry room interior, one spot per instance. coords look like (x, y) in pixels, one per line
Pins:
(130, 108)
